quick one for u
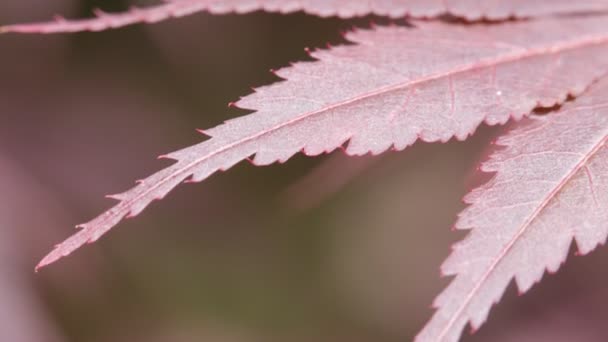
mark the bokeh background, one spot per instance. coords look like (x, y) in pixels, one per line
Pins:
(317, 249)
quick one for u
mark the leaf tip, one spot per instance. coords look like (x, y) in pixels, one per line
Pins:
(98, 12)
(47, 260)
(204, 132)
(473, 330)
(110, 196)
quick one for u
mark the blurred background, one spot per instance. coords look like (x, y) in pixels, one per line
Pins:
(324, 249)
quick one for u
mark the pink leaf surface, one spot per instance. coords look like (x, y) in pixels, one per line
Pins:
(550, 186)
(468, 9)
(397, 85)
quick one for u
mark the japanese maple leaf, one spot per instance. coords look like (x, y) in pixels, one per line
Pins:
(468, 9)
(550, 186)
(397, 85)
(434, 82)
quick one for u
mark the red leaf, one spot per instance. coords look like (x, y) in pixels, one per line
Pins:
(397, 85)
(551, 185)
(468, 9)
